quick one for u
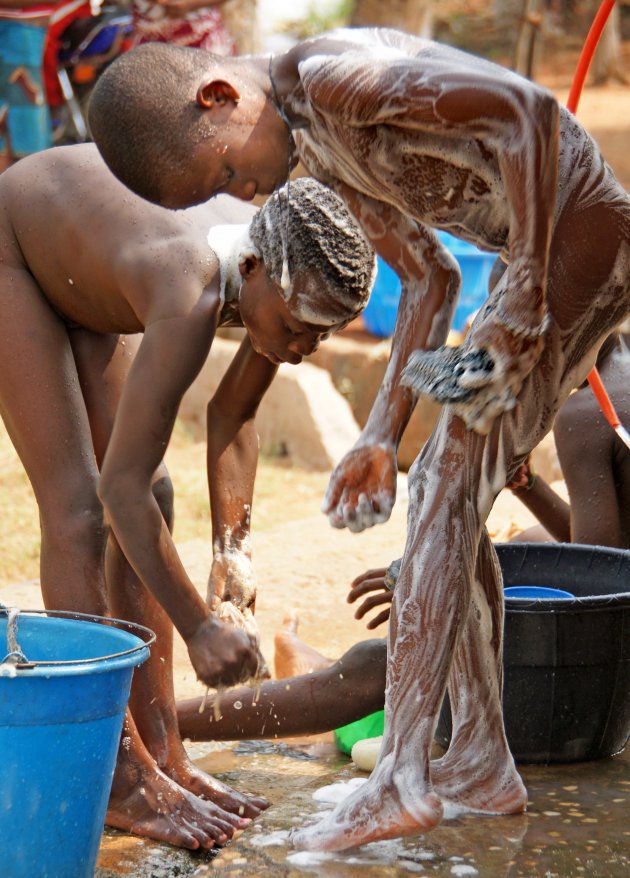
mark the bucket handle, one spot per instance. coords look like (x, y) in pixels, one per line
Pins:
(145, 634)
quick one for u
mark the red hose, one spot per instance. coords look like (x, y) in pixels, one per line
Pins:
(588, 50)
(584, 62)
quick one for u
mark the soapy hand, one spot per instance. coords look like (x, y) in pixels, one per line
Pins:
(362, 488)
(221, 654)
(481, 378)
(232, 598)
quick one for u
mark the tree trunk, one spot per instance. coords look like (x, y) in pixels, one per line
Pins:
(528, 39)
(413, 16)
(607, 59)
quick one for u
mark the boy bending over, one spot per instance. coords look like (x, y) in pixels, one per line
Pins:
(90, 405)
(414, 135)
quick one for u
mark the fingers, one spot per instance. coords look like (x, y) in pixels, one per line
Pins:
(374, 601)
(374, 574)
(378, 620)
(373, 580)
(360, 510)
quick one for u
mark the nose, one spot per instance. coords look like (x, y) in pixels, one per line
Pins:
(305, 345)
(244, 190)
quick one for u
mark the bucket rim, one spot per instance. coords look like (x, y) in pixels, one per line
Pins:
(144, 634)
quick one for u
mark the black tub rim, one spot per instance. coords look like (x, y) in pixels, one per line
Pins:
(591, 561)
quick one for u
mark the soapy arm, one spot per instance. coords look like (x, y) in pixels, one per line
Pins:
(232, 457)
(362, 489)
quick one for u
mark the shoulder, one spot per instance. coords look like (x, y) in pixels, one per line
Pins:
(173, 276)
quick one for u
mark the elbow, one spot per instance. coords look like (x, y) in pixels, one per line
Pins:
(113, 492)
(221, 422)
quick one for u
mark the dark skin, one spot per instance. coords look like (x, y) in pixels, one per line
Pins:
(109, 310)
(595, 463)
(328, 695)
(415, 135)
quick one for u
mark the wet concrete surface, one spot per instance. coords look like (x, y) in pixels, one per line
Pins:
(576, 825)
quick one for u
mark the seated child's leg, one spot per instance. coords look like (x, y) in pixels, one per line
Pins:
(292, 656)
(347, 690)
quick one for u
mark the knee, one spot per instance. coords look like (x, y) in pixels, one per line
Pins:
(76, 520)
(164, 494)
(366, 662)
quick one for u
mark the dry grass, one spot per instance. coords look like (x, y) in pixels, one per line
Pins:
(283, 493)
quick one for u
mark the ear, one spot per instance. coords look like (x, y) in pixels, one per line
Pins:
(216, 93)
(249, 264)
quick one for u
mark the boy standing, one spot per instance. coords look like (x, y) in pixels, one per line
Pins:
(412, 135)
(89, 403)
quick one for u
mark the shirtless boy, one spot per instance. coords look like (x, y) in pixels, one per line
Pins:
(84, 267)
(413, 134)
(595, 464)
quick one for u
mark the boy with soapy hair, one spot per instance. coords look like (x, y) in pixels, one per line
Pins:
(109, 307)
(414, 135)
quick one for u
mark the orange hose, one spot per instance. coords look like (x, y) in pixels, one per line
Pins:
(584, 62)
(588, 50)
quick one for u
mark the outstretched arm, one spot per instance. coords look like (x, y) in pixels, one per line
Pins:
(175, 344)
(232, 457)
(362, 488)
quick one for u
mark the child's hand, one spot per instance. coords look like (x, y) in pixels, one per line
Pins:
(480, 379)
(232, 579)
(362, 489)
(371, 581)
(524, 477)
(221, 654)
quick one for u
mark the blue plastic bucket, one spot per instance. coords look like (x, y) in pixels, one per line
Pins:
(379, 316)
(61, 717)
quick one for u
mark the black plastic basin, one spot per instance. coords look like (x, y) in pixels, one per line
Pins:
(566, 694)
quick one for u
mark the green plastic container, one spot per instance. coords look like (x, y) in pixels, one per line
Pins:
(369, 727)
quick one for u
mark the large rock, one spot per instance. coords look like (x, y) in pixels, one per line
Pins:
(357, 367)
(302, 414)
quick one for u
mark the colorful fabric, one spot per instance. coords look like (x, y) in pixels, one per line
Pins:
(62, 17)
(24, 118)
(202, 29)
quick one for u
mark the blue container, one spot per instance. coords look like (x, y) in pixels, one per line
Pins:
(536, 592)
(379, 316)
(61, 717)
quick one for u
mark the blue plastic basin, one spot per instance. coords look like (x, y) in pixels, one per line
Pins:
(60, 725)
(536, 592)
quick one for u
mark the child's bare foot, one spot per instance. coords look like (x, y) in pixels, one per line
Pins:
(479, 781)
(382, 808)
(292, 656)
(146, 802)
(186, 774)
